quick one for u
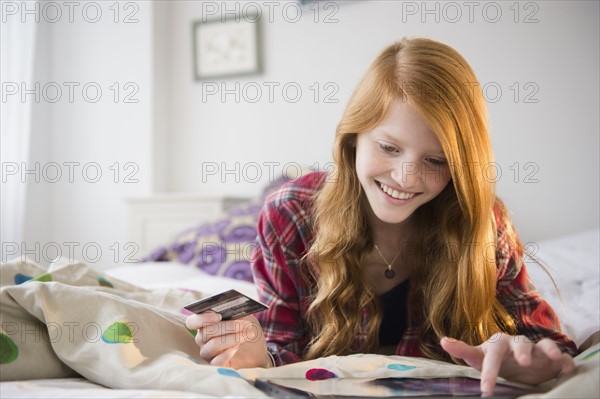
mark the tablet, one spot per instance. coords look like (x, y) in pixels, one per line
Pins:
(385, 388)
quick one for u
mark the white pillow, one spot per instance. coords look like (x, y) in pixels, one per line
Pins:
(176, 275)
(573, 261)
(574, 257)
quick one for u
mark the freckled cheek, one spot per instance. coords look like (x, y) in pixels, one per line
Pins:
(437, 177)
(369, 166)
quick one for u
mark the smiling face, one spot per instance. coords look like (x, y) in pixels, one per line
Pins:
(400, 164)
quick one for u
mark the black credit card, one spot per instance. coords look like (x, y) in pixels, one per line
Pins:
(230, 304)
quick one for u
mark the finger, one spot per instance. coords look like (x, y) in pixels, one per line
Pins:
(215, 338)
(211, 331)
(522, 350)
(472, 355)
(564, 365)
(494, 351)
(563, 361)
(217, 345)
(568, 364)
(251, 332)
(243, 330)
(549, 348)
(224, 357)
(196, 321)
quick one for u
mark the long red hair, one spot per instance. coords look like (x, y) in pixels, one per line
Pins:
(455, 282)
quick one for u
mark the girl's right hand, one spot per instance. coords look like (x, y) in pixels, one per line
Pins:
(234, 343)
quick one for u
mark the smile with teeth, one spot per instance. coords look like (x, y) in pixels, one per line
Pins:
(395, 193)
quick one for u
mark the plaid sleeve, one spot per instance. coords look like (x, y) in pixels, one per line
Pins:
(275, 267)
(534, 316)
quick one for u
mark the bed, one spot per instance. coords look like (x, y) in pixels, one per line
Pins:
(70, 330)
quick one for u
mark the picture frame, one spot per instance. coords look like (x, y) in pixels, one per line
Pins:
(226, 47)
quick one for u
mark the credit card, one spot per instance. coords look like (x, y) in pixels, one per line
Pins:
(230, 304)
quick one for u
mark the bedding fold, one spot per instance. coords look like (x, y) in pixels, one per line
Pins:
(72, 320)
(69, 320)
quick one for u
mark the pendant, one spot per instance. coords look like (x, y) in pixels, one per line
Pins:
(389, 274)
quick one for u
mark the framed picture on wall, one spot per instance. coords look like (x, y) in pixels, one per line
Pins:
(226, 47)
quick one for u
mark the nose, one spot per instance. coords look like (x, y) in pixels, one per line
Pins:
(407, 174)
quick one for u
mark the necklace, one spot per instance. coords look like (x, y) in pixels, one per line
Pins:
(389, 272)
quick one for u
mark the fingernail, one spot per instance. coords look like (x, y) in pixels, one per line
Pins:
(523, 360)
(486, 389)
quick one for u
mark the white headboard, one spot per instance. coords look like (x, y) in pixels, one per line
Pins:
(155, 220)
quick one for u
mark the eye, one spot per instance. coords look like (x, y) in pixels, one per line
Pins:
(436, 161)
(387, 148)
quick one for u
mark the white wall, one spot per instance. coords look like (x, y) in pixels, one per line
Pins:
(172, 131)
(544, 122)
(107, 140)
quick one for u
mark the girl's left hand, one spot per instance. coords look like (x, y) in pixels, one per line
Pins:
(514, 358)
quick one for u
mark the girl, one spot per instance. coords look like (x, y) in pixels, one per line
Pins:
(402, 249)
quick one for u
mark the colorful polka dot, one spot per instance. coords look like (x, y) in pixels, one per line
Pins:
(44, 278)
(105, 283)
(229, 373)
(21, 278)
(400, 367)
(193, 332)
(8, 350)
(118, 333)
(319, 374)
(185, 312)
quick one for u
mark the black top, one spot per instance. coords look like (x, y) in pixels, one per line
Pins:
(393, 304)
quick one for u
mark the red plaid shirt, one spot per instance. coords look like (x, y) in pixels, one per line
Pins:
(285, 232)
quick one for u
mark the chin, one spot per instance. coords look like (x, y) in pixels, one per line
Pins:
(392, 217)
